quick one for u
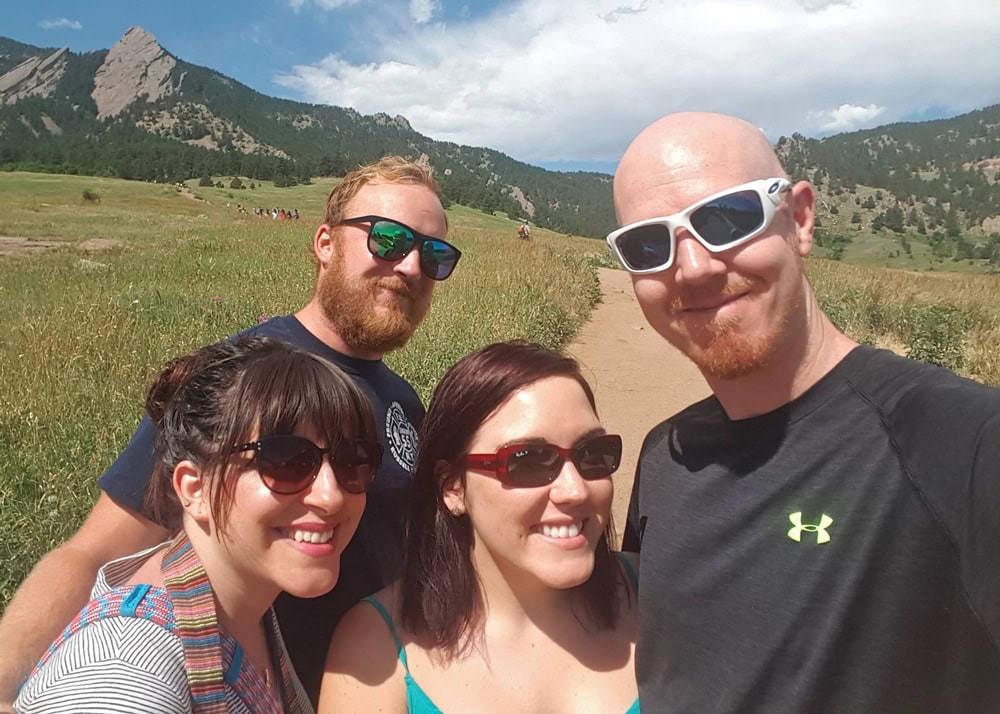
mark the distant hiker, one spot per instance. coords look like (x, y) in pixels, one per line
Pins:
(523, 231)
(264, 456)
(820, 535)
(378, 254)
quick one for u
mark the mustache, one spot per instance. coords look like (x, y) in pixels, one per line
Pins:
(689, 296)
(396, 285)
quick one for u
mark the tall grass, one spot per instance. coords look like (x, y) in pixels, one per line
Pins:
(947, 319)
(84, 332)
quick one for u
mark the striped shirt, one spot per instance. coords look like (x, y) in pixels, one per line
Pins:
(127, 664)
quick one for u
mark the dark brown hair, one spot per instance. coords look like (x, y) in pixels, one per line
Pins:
(215, 398)
(442, 604)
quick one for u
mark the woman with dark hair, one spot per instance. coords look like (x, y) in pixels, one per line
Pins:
(263, 458)
(511, 600)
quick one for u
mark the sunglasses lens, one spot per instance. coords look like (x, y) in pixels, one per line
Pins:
(287, 463)
(599, 457)
(729, 218)
(645, 247)
(355, 465)
(437, 259)
(389, 240)
(533, 465)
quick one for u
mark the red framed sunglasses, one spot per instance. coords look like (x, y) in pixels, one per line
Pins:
(534, 464)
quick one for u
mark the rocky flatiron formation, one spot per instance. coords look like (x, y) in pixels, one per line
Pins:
(36, 76)
(135, 67)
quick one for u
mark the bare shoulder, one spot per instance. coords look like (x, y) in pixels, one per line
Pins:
(363, 670)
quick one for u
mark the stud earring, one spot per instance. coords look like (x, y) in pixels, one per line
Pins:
(457, 511)
(186, 503)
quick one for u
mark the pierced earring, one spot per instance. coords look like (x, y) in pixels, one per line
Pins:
(186, 503)
(457, 511)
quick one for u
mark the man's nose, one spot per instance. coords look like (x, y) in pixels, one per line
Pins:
(409, 264)
(694, 263)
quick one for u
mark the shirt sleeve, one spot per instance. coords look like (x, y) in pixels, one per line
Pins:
(116, 665)
(126, 479)
(949, 438)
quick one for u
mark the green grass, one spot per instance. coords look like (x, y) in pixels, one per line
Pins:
(951, 319)
(82, 340)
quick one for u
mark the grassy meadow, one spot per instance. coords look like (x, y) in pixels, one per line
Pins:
(85, 329)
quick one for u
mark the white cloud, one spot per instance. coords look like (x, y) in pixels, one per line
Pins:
(613, 15)
(547, 80)
(819, 5)
(423, 10)
(62, 23)
(847, 117)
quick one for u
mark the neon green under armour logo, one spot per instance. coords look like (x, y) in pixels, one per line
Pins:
(795, 533)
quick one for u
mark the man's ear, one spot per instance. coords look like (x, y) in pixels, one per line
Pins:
(802, 201)
(452, 488)
(323, 247)
(191, 488)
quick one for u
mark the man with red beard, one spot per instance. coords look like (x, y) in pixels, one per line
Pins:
(378, 254)
(820, 534)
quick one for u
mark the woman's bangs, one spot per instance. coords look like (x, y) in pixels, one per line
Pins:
(293, 390)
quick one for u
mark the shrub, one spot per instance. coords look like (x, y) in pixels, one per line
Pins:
(91, 196)
(937, 335)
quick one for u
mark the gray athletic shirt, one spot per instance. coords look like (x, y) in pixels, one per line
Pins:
(840, 554)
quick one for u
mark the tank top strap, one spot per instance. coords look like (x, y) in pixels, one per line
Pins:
(629, 571)
(392, 628)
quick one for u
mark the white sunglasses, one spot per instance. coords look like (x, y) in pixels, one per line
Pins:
(720, 222)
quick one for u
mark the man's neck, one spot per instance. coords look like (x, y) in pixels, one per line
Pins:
(312, 318)
(795, 368)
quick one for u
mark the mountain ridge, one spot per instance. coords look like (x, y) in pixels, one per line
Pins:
(137, 111)
(140, 102)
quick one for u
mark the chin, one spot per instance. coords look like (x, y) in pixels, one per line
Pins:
(566, 575)
(310, 587)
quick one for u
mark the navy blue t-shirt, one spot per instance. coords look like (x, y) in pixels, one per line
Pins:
(374, 556)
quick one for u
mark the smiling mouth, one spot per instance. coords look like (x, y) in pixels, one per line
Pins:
(300, 536)
(712, 306)
(571, 530)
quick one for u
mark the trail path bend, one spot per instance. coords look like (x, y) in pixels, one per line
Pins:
(638, 379)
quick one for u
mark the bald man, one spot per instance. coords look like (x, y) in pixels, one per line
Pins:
(823, 533)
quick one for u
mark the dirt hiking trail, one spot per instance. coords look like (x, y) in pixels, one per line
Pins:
(638, 379)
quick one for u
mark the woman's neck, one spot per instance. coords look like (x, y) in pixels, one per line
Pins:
(241, 600)
(517, 598)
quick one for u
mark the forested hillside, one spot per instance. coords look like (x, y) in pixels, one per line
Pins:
(932, 182)
(137, 112)
(206, 124)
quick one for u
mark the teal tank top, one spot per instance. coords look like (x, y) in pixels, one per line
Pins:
(417, 702)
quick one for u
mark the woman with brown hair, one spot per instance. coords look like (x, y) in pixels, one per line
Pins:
(263, 458)
(511, 600)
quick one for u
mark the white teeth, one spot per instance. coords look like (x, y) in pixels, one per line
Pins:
(311, 536)
(570, 531)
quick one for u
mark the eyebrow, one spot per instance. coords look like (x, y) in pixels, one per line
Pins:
(533, 440)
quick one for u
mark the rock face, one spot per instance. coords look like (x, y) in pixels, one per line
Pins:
(36, 76)
(136, 66)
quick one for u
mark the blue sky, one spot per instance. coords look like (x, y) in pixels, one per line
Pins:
(566, 84)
